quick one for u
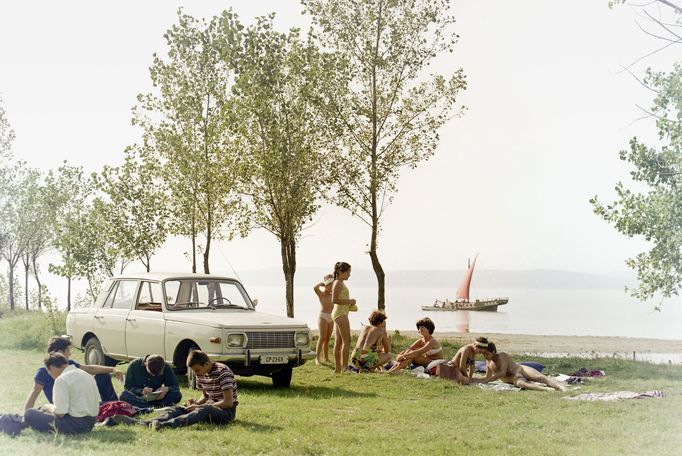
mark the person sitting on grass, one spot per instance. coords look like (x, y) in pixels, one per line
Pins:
(42, 381)
(465, 360)
(499, 366)
(150, 382)
(76, 400)
(373, 348)
(423, 351)
(217, 404)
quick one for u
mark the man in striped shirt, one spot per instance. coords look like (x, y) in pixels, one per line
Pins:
(218, 403)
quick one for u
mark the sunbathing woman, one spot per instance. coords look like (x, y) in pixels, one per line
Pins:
(499, 366)
(373, 348)
(465, 360)
(422, 351)
(323, 290)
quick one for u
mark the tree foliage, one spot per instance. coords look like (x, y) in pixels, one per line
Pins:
(282, 162)
(383, 106)
(654, 213)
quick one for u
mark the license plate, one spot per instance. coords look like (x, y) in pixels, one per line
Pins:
(274, 359)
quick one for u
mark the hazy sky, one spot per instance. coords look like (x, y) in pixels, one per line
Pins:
(547, 114)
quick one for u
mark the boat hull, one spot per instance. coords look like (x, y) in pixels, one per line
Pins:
(481, 305)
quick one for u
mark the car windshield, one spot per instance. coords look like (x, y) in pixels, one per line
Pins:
(185, 294)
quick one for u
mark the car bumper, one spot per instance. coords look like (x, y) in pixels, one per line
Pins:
(250, 358)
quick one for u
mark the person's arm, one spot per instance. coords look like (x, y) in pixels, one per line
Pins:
(493, 371)
(94, 369)
(423, 349)
(131, 383)
(316, 289)
(407, 353)
(385, 341)
(32, 396)
(226, 402)
(170, 381)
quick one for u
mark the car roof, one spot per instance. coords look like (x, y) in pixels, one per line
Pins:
(160, 276)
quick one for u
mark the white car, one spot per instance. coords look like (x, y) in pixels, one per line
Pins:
(172, 314)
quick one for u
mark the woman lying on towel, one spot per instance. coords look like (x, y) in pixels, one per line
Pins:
(422, 351)
(373, 349)
(499, 366)
(465, 360)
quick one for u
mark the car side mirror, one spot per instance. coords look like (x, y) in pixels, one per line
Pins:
(254, 302)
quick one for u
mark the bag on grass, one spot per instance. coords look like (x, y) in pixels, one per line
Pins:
(446, 370)
(11, 424)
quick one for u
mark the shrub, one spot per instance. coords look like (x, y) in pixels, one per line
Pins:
(22, 330)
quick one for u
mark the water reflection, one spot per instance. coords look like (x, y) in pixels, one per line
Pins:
(462, 321)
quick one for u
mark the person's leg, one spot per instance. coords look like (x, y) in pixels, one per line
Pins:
(106, 388)
(322, 327)
(337, 347)
(534, 375)
(344, 331)
(68, 424)
(134, 400)
(203, 414)
(421, 360)
(398, 366)
(171, 413)
(523, 383)
(328, 336)
(39, 421)
(171, 398)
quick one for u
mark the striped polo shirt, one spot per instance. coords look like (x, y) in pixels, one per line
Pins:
(219, 378)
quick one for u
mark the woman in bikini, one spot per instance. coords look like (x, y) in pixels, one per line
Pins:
(499, 366)
(342, 304)
(465, 360)
(373, 349)
(323, 290)
(423, 351)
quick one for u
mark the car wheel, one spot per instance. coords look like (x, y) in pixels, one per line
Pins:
(94, 354)
(282, 379)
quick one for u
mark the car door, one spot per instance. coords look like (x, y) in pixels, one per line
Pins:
(110, 321)
(145, 324)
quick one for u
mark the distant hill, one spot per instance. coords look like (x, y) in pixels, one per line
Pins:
(483, 279)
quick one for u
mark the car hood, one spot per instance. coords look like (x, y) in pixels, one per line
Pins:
(230, 318)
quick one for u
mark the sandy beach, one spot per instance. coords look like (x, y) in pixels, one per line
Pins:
(522, 343)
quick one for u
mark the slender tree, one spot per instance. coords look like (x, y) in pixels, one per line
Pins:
(385, 108)
(185, 125)
(282, 167)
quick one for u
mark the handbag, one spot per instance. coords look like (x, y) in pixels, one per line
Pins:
(446, 370)
(353, 308)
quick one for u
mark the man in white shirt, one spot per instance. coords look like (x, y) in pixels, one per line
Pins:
(75, 396)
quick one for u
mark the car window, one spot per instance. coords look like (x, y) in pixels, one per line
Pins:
(123, 298)
(205, 293)
(110, 298)
(150, 296)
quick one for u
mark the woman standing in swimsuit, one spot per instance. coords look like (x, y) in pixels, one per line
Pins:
(323, 290)
(501, 367)
(422, 351)
(342, 303)
(465, 360)
(373, 349)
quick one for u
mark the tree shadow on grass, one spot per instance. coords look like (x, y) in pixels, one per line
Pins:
(296, 391)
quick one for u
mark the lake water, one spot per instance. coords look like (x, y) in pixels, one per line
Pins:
(529, 311)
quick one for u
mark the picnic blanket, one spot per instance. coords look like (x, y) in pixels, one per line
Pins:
(584, 372)
(616, 396)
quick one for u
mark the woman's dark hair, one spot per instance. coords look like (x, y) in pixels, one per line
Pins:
(491, 348)
(55, 359)
(377, 317)
(427, 323)
(340, 267)
(197, 357)
(58, 344)
(155, 364)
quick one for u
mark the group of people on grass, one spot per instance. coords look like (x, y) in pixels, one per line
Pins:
(373, 349)
(78, 394)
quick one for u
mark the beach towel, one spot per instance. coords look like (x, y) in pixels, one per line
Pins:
(496, 386)
(616, 396)
(584, 372)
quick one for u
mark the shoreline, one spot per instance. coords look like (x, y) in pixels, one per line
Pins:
(529, 343)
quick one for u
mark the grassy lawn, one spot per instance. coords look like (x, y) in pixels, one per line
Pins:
(323, 413)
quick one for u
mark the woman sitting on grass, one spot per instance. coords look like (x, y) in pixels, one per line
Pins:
(422, 351)
(499, 366)
(465, 360)
(373, 348)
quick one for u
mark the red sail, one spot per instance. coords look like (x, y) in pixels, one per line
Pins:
(463, 290)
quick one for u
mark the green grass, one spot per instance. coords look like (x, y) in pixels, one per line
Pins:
(324, 413)
(30, 330)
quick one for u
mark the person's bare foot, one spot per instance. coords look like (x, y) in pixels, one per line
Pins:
(317, 362)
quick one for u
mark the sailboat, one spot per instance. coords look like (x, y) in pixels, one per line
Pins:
(462, 302)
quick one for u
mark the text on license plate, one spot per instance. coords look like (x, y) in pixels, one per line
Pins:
(274, 359)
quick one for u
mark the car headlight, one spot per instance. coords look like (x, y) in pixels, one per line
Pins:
(236, 340)
(301, 339)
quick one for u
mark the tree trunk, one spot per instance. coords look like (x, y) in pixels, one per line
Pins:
(378, 270)
(26, 261)
(10, 276)
(68, 294)
(40, 288)
(194, 252)
(207, 250)
(288, 250)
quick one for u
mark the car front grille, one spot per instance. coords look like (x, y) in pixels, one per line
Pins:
(271, 339)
